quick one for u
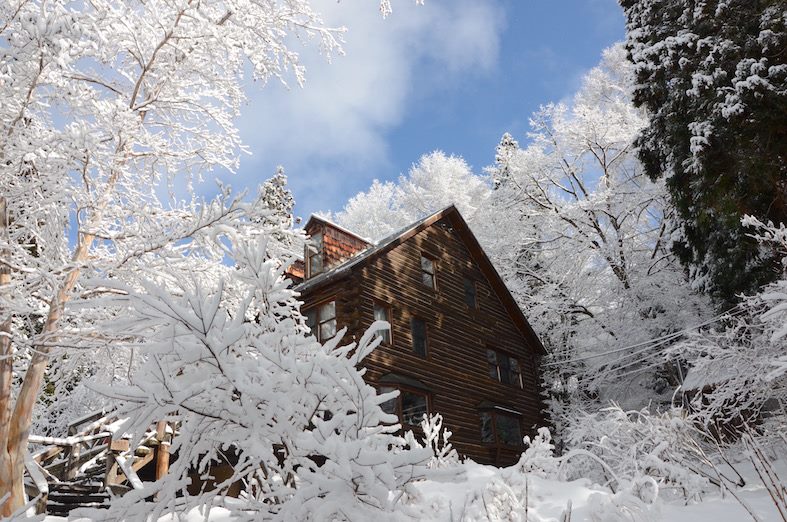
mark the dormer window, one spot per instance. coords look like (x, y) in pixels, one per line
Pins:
(314, 253)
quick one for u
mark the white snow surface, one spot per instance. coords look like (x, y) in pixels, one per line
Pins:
(477, 497)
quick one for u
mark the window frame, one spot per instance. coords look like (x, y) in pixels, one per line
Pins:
(496, 441)
(389, 317)
(316, 332)
(312, 252)
(433, 274)
(474, 285)
(413, 319)
(399, 399)
(514, 377)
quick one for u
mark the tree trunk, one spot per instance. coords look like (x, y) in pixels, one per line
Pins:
(11, 485)
(11, 492)
(15, 427)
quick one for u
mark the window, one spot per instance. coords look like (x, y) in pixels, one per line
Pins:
(418, 329)
(470, 293)
(428, 272)
(504, 368)
(410, 406)
(321, 320)
(383, 313)
(500, 428)
(315, 251)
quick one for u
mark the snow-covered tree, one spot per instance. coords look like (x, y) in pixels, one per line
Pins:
(373, 214)
(581, 237)
(109, 110)
(713, 76)
(435, 182)
(227, 358)
(738, 373)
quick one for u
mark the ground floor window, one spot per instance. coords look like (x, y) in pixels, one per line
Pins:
(500, 428)
(410, 406)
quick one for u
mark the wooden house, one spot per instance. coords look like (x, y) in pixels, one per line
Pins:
(458, 344)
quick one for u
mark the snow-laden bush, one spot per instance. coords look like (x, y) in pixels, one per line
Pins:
(619, 448)
(227, 358)
(634, 503)
(436, 439)
(539, 456)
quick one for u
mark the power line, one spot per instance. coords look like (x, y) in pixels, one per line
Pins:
(649, 343)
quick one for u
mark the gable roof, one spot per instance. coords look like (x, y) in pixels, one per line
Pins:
(316, 218)
(473, 246)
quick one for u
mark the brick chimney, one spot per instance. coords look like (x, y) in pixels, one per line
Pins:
(329, 246)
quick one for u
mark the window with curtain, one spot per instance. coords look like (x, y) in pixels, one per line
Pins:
(383, 313)
(504, 368)
(321, 320)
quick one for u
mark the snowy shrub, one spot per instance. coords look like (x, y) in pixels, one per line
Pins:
(435, 439)
(228, 359)
(636, 444)
(632, 504)
(539, 457)
(507, 496)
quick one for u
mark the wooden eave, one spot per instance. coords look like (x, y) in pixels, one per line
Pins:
(489, 270)
(474, 247)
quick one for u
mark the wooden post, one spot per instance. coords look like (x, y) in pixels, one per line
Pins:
(37, 474)
(162, 450)
(115, 448)
(72, 464)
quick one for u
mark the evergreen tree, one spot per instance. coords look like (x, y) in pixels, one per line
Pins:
(713, 75)
(277, 198)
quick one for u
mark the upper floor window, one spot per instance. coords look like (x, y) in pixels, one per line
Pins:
(410, 406)
(315, 254)
(418, 329)
(321, 320)
(471, 298)
(500, 428)
(504, 368)
(383, 313)
(428, 277)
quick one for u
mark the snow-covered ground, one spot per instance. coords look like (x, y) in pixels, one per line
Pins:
(481, 495)
(486, 493)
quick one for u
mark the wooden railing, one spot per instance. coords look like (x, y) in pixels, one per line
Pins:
(79, 457)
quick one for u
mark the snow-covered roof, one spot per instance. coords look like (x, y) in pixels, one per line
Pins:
(407, 232)
(347, 265)
(336, 226)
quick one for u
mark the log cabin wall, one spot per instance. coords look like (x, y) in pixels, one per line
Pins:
(455, 371)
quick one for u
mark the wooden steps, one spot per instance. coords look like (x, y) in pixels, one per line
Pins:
(67, 496)
(88, 468)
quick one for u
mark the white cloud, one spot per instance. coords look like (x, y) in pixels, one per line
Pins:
(336, 125)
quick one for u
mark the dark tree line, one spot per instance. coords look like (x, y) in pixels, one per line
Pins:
(713, 75)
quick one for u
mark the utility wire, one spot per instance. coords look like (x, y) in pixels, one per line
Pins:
(649, 343)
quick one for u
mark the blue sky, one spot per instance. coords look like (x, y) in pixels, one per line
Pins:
(452, 75)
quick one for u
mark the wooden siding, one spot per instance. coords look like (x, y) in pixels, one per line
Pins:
(455, 369)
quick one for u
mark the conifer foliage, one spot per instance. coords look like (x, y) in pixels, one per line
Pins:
(713, 76)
